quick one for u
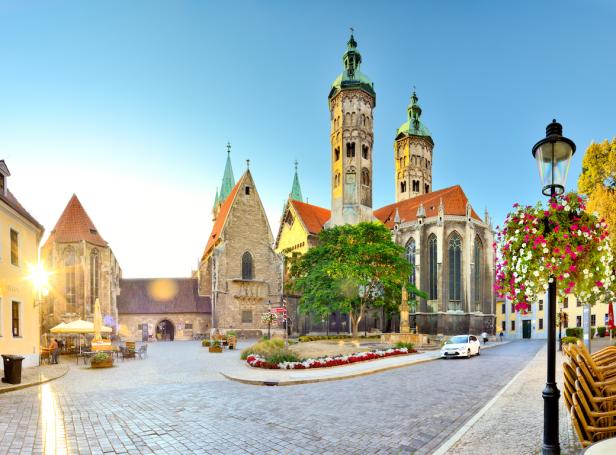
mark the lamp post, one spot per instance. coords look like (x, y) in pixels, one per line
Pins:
(553, 155)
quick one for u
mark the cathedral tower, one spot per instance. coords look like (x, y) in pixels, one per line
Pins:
(228, 182)
(413, 155)
(351, 101)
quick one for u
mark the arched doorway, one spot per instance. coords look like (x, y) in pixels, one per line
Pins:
(165, 331)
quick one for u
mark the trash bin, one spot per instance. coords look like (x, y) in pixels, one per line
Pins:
(12, 368)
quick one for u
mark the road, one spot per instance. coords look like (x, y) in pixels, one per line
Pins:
(174, 402)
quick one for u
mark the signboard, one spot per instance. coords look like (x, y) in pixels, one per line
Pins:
(586, 325)
(280, 310)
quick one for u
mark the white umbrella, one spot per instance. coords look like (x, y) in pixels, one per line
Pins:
(98, 322)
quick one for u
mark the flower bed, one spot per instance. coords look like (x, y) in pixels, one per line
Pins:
(255, 360)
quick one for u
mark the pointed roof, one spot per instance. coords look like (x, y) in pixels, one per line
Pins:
(75, 225)
(453, 199)
(313, 216)
(351, 77)
(228, 181)
(296, 191)
(221, 218)
(413, 125)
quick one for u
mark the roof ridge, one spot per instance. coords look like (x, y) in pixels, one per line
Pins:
(75, 225)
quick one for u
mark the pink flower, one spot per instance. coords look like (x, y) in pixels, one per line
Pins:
(599, 283)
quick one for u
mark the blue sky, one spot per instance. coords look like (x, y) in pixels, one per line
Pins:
(130, 104)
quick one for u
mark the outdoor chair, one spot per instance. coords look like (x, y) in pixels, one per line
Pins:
(605, 359)
(598, 388)
(586, 431)
(127, 353)
(232, 342)
(142, 352)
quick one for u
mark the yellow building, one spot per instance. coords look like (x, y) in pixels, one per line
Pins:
(20, 235)
(532, 324)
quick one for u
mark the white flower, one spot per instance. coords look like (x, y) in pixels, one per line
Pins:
(545, 286)
(545, 250)
(536, 273)
(567, 208)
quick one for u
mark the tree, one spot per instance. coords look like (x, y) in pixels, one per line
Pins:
(351, 269)
(598, 182)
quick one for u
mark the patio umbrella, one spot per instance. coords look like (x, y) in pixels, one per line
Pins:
(80, 326)
(98, 322)
(58, 328)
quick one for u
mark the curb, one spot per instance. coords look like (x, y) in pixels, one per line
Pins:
(32, 384)
(452, 441)
(270, 383)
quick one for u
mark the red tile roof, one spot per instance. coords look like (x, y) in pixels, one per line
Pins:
(221, 219)
(313, 216)
(75, 225)
(454, 202)
(137, 297)
(12, 202)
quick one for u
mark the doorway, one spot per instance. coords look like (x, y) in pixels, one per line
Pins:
(165, 331)
(526, 328)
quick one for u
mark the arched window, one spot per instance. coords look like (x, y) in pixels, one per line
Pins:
(365, 176)
(410, 257)
(247, 272)
(455, 269)
(336, 154)
(350, 151)
(95, 268)
(403, 186)
(364, 152)
(432, 268)
(477, 258)
(69, 279)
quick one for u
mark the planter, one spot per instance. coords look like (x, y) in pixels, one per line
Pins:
(215, 349)
(108, 363)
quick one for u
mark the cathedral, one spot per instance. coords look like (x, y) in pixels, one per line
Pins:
(445, 239)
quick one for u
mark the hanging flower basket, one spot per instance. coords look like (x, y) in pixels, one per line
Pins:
(559, 242)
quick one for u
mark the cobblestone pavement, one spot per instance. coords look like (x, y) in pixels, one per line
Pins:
(174, 402)
(514, 424)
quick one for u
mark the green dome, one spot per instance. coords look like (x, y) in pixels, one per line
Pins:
(351, 77)
(413, 125)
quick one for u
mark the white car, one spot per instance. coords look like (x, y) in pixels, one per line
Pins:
(461, 346)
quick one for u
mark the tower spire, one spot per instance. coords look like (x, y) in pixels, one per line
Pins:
(296, 191)
(228, 181)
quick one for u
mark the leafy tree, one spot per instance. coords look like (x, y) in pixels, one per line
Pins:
(351, 269)
(598, 182)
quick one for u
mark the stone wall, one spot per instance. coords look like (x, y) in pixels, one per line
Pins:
(130, 324)
(453, 323)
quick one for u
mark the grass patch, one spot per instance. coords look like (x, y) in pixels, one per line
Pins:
(264, 348)
(402, 344)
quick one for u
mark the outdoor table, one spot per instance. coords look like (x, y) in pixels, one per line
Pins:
(605, 447)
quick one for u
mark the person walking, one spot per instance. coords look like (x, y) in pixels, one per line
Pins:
(54, 349)
(484, 335)
(501, 335)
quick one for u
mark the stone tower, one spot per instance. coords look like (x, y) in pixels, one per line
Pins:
(413, 155)
(351, 101)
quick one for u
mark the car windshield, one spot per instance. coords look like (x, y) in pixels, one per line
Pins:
(458, 339)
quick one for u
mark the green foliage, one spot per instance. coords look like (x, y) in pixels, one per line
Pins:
(402, 344)
(231, 333)
(205, 343)
(306, 338)
(264, 348)
(598, 182)
(575, 332)
(283, 355)
(353, 267)
(601, 331)
(100, 357)
(566, 340)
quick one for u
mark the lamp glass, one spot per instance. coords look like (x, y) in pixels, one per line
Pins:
(553, 161)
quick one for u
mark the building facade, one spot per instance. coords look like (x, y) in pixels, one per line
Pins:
(532, 324)
(239, 269)
(20, 235)
(163, 309)
(83, 268)
(444, 238)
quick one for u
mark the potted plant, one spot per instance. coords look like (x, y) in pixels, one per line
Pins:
(216, 346)
(101, 360)
(205, 343)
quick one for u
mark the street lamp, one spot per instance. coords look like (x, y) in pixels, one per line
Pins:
(553, 155)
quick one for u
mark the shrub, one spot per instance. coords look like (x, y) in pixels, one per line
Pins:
(283, 355)
(100, 357)
(601, 331)
(306, 338)
(402, 344)
(205, 343)
(575, 332)
(264, 348)
(592, 332)
(568, 339)
(231, 333)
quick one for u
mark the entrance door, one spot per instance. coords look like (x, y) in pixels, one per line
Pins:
(165, 331)
(526, 329)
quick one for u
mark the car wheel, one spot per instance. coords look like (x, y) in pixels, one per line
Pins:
(468, 354)
(478, 351)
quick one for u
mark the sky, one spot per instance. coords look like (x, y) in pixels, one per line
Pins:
(129, 105)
